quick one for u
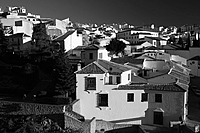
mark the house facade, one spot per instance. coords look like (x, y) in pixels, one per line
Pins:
(134, 36)
(68, 41)
(17, 25)
(105, 90)
(94, 52)
(156, 41)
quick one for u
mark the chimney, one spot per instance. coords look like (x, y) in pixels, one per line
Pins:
(79, 66)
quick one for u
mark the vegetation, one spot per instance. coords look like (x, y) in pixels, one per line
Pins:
(28, 124)
(40, 37)
(64, 77)
(116, 46)
(3, 42)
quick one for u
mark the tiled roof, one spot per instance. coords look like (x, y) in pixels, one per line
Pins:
(79, 48)
(127, 59)
(62, 37)
(19, 35)
(154, 87)
(103, 66)
(195, 58)
(156, 38)
(92, 68)
(118, 68)
(152, 48)
(93, 47)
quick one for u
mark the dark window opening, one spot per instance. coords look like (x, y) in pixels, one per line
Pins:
(102, 100)
(91, 56)
(90, 83)
(158, 118)
(118, 80)
(130, 97)
(158, 98)
(144, 97)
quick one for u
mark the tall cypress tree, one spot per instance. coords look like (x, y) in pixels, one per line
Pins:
(65, 79)
(3, 42)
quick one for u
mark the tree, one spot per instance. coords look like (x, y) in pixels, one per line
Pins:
(188, 42)
(180, 41)
(116, 46)
(64, 77)
(40, 37)
(3, 42)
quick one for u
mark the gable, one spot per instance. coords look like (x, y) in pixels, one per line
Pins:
(92, 68)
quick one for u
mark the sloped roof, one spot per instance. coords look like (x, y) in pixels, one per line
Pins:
(103, 66)
(155, 38)
(119, 68)
(152, 48)
(93, 47)
(64, 36)
(154, 87)
(126, 59)
(79, 48)
(19, 35)
(195, 58)
(92, 68)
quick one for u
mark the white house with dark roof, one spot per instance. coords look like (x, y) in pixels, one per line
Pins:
(94, 52)
(156, 41)
(134, 35)
(106, 90)
(68, 41)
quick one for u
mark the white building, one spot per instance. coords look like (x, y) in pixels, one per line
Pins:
(134, 36)
(105, 90)
(68, 41)
(17, 25)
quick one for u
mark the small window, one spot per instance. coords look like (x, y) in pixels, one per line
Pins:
(100, 55)
(110, 80)
(158, 98)
(90, 83)
(130, 97)
(118, 80)
(144, 97)
(102, 100)
(128, 76)
(18, 23)
(91, 56)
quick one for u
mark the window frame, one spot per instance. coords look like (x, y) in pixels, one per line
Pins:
(91, 56)
(88, 84)
(102, 102)
(130, 97)
(100, 55)
(146, 95)
(118, 80)
(158, 98)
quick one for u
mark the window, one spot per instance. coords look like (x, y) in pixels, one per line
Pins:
(158, 98)
(128, 76)
(100, 55)
(144, 97)
(91, 56)
(90, 83)
(158, 118)
(130, 97)
(18, 23)
(118, 79)
(110, 80)
(102, 100)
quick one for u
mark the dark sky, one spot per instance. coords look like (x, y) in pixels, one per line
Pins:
(136, 12)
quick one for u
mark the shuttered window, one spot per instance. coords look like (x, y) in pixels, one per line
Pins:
(90, 83)
(102, 100)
